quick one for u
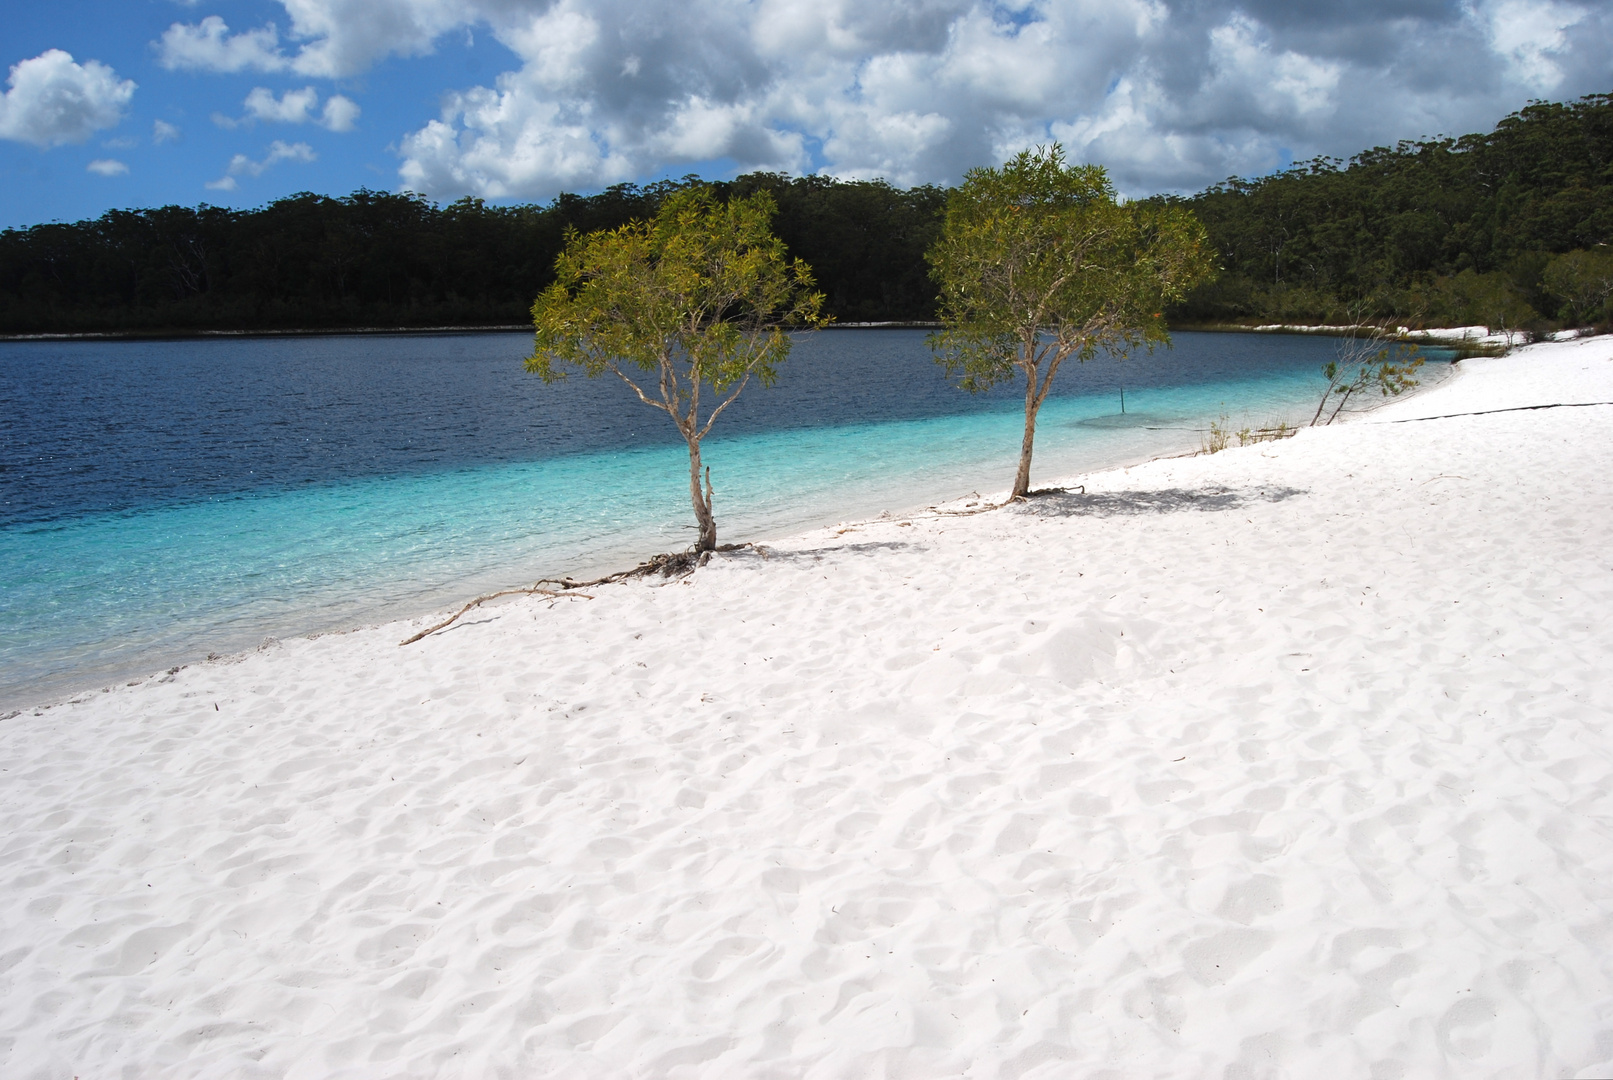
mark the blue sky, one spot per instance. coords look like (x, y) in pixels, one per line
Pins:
(238, 102)
(54, 183)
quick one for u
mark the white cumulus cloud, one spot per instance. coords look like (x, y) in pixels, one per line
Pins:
(338, 37)
(294, 107)
(162, 132)
(54, 100)
(496, 142)
(1530, 35)
(242, 165)
(1170, 94)
(106, 167)
(209, 46)
(290, 108)
(339, 113)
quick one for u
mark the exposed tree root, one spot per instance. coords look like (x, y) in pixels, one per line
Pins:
(674, 564)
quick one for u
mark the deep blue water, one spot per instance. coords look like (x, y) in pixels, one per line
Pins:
(159, 500)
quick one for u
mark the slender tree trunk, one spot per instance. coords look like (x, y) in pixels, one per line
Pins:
(1332, 382)
(1343, 400)
(702, 500)
(1022, 479)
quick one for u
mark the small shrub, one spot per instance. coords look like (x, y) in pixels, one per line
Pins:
(1270, 433)
(1365, 363)
(1582, 281)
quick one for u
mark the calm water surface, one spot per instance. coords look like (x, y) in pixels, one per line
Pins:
(160, 500)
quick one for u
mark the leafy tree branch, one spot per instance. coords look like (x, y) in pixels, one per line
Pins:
(694, 302)
(1039, 262)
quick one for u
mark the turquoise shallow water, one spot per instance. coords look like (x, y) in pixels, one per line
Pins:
(92, 595)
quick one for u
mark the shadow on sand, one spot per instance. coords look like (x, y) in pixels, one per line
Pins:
(1062, 502)
(763, 553)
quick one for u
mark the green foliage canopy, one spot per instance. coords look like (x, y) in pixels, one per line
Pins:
(374, 259)
(1582, 281)
(1394, 228)
(864, 239)
(1039, 262)
(697, 297)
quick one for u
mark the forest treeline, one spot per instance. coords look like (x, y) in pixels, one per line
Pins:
(374, 259)
(1510, 228)
(386, 260)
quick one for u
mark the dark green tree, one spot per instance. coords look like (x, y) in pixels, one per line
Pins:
(1581, 281)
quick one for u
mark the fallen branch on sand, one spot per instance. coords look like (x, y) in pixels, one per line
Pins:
(681, 563)
(983, 508)
(480, 600)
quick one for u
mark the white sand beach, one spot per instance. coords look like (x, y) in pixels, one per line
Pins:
(1291, 761)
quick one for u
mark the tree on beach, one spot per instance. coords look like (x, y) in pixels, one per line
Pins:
(696, 299)
(1038, 261)
(1582, 281)
(1365, 364)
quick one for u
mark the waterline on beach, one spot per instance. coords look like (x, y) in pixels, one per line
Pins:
(93, 597)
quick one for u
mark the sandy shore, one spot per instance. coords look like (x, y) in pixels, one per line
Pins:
(1294, 760)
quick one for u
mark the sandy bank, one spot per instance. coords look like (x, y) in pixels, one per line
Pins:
(1293, 760)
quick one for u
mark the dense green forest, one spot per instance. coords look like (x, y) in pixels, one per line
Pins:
(377, 259)
(1510, 228)
(1505, 229)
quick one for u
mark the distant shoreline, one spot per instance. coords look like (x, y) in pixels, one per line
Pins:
(184, 335)
(518, 328)
(181, 335)
(1450, 335)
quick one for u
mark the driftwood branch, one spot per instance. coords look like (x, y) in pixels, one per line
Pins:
(480, 600)
(983, 508)
(681, 563)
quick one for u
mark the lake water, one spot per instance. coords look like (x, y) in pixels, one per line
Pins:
(163, 500)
